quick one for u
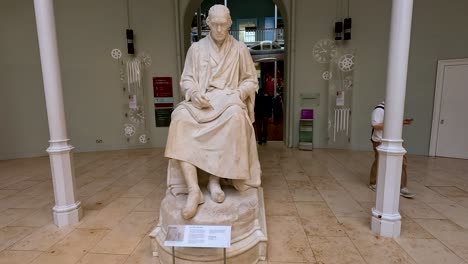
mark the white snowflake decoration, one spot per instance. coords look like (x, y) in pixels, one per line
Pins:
(143, 138)
(116, 54)
(324, 50)
(129, 130)
(327, 75)
(146, 59)
(346, 63)
(137, 115)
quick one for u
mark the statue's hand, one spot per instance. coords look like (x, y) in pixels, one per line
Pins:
(200, 101)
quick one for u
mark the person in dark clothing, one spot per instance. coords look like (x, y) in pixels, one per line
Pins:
(263, 112)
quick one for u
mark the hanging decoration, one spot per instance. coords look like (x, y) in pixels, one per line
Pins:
(129, 130)
(116, 54)
(131, 72)
(346, 62)
(342, 26)
(324, 50)
(143, 139)
(327, 75)
(347, 25)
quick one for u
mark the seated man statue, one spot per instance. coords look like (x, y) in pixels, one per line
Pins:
(212, 129)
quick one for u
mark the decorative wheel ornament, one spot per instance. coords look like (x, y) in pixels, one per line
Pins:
(346, 63)
(129, 130)
(324, 50)
(327, 75)
(137, 115)
(116, 54)
(146, 59)
(348, 82)
(143, 138)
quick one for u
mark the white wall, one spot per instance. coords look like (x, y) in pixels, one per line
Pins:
(439, 32)
(88, 30)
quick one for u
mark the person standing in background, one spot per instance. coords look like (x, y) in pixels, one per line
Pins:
(263, 112)
(376, 139)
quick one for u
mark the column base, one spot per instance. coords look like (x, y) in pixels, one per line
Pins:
(67, 215)
(386, 225)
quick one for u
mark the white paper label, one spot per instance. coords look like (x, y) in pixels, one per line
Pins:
(198, 236)
(340, 98)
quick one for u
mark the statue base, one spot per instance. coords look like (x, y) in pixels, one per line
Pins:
(243, 211)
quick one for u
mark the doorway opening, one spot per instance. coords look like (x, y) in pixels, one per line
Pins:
(260, 26)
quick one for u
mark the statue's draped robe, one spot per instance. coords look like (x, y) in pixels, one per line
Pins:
(219, 140)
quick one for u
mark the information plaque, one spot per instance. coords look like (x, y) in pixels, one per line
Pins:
(205, 236)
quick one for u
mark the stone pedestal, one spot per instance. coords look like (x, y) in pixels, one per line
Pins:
(243, 211)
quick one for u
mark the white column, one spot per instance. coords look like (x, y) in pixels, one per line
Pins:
(386, 219)
(66, 210)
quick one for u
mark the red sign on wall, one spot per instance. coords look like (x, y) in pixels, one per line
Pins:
(163, 100)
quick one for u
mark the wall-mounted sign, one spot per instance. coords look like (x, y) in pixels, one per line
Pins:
(206, 236)
(163, 100)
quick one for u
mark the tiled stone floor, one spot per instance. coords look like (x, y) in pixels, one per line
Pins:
(317, 206)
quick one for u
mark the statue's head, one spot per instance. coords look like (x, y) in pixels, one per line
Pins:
(219, 21)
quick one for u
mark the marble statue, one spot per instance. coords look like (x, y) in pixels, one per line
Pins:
(212, 129)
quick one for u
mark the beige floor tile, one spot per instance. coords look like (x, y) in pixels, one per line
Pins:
(22, 185)
(71, 248)
(305, 194)
(37, 201)
(373, 249)
(411, 229)
(428, 251)
(143, 254)
(112, 214)
(94, 186)
(289, 176)
(140, 190)
(103, 198)
(451, 192)
(463, 202)
(6, 193)
(152, 201)
(39, 218)
(278, 208)
(322, 226)
(44, 187)
(92, 258)
(356, 226)
(290, 242)
(342, 204)
(313, 209)
(318, 220)
(293, 184)
(339, 250)
(450, 234)
(18, 257)
(10, 235)
(358, 190)
(12, 214)
(43, 238)
(414, 208)
(275, 194)
(455, 212)
(125, 237)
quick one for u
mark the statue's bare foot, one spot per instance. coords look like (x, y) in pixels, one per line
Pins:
(194, 199)
(215, 190)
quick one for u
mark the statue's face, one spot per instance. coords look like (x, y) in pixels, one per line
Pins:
(219, 26)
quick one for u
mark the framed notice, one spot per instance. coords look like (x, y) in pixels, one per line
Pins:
(206, 236)
(163, 100)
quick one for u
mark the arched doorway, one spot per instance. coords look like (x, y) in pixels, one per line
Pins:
(185, 10)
